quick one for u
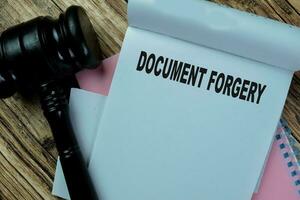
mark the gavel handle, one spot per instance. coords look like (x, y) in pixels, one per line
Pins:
(55, 107)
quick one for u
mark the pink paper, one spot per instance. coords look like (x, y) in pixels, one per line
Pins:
(99, 80)
(277, 183)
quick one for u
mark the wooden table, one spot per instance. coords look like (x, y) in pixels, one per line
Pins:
(27, 150)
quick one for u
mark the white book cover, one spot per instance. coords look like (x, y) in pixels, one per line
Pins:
(194, 103)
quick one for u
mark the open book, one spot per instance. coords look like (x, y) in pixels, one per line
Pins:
(194, 103)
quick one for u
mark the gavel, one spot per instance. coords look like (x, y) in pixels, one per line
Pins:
(41, 57)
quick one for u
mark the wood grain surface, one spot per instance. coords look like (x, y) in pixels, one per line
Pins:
(27, 150)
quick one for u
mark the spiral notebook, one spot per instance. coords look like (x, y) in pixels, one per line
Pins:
(279, 180)
(289, 149)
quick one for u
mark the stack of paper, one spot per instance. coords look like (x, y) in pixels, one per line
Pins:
(194, 103)
(276, 182)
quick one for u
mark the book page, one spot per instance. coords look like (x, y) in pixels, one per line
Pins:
(183, 121)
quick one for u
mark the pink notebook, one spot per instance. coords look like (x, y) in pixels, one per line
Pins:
(281, 178)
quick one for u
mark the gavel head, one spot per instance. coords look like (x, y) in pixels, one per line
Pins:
(45, 49)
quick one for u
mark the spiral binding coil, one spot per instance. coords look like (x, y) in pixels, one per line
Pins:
(286, 143)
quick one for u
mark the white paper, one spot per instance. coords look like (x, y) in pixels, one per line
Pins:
(85, 112)
(258, 184)
(91, 100)
(152, 132)
(159, 139)
(219, 27)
